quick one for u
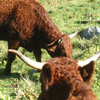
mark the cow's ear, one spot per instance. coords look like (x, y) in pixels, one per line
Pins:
(47, 74)
(87, 71)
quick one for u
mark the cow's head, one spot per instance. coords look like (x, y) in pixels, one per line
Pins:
(61, 46)
(63, 78)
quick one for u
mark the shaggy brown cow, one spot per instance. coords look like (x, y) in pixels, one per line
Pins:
(63, 78)
(25, 23)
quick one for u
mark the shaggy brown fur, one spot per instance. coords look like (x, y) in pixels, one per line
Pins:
(26, 23)
(61, 80)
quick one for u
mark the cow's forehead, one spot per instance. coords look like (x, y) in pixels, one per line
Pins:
(63, 62)
(64, 67)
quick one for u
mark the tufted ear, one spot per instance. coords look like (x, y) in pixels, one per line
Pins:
(47, 75)
(87, 71)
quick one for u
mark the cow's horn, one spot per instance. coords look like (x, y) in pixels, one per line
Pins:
(72, 35)
(93, 58)
(31, 63)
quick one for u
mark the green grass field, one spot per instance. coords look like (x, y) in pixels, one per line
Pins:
(23, 84)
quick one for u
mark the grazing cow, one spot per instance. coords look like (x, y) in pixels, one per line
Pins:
(63, 78)
(26, 23)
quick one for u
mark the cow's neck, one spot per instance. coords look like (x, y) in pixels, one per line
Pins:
(45, 24)
(52, 32)
(49, 34)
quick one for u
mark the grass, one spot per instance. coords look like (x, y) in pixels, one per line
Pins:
(23, 84)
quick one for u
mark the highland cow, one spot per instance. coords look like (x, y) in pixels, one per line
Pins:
(26, 23)
(64, 78)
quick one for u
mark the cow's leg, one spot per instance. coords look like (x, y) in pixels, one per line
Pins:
(41, 97)
(37, 53)
(11, 56)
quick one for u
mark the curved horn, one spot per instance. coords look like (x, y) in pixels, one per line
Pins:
(31, 63)
(72, 35)
(93, 58)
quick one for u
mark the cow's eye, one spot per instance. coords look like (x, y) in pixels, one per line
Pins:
(59, 41)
